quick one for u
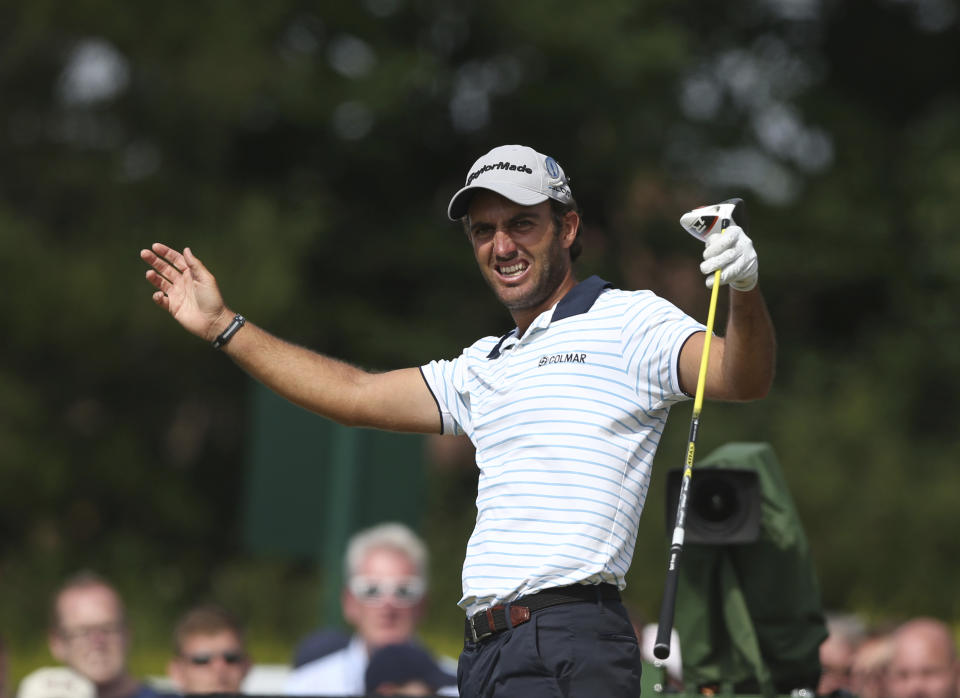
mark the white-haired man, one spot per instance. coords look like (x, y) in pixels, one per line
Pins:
(385, 574)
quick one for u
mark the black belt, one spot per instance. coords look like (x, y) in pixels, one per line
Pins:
(494, 619)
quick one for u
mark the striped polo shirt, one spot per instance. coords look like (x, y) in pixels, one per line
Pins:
(566, 421)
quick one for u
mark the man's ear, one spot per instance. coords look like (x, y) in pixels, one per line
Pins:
(175, 672)
(58, 648)
(421, 608)
(349, 605)
(571, 223)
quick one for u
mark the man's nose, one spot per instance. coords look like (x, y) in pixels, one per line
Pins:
(503, 245)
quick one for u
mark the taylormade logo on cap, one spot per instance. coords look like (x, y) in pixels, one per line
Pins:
(499, 166)
(516, 172)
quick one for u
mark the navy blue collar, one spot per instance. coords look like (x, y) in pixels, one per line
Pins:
(578, 300)
(495, 352)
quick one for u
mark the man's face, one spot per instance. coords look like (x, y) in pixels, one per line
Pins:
(836, 660)
(383, 601)
(922, 667)
(91, 637)
(210, 663)
(523, 258)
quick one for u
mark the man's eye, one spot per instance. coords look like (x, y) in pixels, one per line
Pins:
(404, 591)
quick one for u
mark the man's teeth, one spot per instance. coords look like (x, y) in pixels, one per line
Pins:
(512, 269)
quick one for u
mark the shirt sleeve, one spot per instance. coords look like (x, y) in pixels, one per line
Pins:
(655, 331)
(444, 380)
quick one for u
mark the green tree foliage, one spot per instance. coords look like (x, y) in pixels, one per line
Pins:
(306, 153)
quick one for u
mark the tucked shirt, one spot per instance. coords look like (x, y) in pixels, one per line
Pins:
(566, 420)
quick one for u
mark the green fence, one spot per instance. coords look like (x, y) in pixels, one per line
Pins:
(311, 483)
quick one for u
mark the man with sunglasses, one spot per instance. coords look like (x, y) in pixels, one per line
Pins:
(383, 600)
(209, 652)
(566, 411)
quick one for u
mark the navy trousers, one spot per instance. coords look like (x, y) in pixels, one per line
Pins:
(578, 649)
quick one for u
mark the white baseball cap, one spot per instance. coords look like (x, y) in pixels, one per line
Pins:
(56, 682)
(516, 172)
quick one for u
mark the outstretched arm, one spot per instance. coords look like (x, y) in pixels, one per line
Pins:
(396, 400)
(741, 364)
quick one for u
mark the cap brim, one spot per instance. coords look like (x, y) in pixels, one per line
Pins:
(460, 203)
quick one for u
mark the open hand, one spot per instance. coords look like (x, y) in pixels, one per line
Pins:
(186, 290)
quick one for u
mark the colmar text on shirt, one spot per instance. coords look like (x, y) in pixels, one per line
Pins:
(562, 359)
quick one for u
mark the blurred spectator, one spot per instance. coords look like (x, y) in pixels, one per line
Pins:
(56, 682)
(319, 644)
(407, 670)
(90, 634)
(383, 600)
(868, 673)
(209, 652)
(845, 633)
(924, 662)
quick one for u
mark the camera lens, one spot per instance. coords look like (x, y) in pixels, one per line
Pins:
(714, 500)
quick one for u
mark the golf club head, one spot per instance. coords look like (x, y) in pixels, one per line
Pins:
(701, 222)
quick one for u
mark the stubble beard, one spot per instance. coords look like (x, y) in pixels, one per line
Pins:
(552, 272)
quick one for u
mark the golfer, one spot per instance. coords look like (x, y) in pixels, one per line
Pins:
(565, 411)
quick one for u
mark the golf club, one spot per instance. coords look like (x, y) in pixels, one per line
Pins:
(700, 223)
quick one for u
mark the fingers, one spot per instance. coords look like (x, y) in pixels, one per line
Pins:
(732, 253)
(162, 300)
(159, 282)
(169, 255)
(167, 267)
(716, 244)
(194, 265)
(720, 261)
(727, 274)
(166, 261)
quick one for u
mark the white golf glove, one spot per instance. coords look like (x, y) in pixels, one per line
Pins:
(732, 253)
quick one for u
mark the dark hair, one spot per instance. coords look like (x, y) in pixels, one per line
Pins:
(208, 619)
(559, 211)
